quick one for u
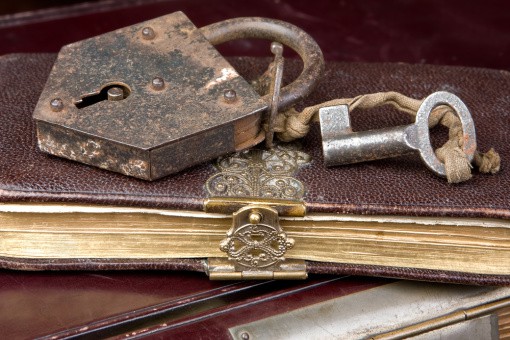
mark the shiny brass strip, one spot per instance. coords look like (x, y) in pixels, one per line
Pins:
(269, 275)
(445, 320)
(223, 269)
(298, 275)
(225, 276)
(229, 205)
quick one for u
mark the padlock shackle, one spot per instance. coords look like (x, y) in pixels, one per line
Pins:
(280, 31)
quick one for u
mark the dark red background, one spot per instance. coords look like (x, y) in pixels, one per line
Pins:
(454, 32)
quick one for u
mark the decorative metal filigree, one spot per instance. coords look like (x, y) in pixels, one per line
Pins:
(256, 240)
(259, 173)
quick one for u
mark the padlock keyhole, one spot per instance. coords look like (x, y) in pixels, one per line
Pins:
(113, 92)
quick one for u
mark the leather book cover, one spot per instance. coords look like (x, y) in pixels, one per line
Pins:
(393, 188)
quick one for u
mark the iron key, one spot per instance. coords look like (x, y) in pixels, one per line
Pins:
(343, 146)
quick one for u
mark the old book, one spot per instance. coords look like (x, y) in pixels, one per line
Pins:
(391, 218)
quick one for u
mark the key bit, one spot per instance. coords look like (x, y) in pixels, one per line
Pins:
(343, 146)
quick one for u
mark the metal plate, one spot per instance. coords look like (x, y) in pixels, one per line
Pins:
(370, 312)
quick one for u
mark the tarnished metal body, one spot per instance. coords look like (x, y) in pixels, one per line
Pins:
(342, 146)
(154, 98)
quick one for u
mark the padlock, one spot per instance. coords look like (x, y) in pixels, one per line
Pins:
(155, 98)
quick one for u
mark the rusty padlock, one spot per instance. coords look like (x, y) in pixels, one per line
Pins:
(154, 98)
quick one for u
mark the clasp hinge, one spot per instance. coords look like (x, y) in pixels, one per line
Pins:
(256, 246)
(224, 269)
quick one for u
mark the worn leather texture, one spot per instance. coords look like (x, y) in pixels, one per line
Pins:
(399, 186)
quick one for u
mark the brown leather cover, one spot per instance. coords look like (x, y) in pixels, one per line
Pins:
(400, 186)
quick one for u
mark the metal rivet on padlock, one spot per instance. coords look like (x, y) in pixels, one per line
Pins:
(343, 146)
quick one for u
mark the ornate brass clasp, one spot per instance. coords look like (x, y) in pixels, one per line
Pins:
(256, 246)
